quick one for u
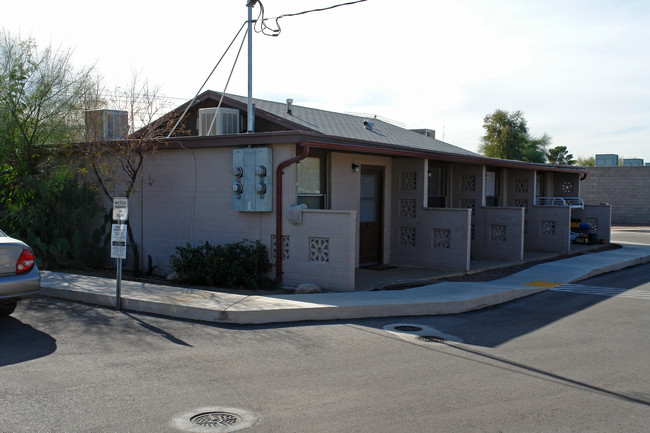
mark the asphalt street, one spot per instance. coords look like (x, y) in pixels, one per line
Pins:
(552, 362)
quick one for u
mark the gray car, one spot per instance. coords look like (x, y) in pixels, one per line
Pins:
(19, 275)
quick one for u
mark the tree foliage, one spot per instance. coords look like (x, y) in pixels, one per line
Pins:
(507, 137)
(589, 161)
(42, 198)
(560, 155)
(116, 166)
(40, 97)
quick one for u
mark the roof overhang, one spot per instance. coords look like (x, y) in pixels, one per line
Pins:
(320, 141)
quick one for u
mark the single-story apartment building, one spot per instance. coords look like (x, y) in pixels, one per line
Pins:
(329, 193)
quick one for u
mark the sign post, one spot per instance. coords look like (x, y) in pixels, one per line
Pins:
(118, 242)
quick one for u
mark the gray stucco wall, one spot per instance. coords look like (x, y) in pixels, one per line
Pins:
(627, 189)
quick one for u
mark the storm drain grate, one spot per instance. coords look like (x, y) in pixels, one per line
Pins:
(408, 328)
(216, 419)
(430, 339)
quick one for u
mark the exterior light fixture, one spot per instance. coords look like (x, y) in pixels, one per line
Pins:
(355, 167)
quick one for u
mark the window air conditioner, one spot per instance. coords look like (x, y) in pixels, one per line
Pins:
(106, 125)
(227, 121)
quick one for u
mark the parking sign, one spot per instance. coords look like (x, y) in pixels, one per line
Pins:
(120, 209)
(118, 242)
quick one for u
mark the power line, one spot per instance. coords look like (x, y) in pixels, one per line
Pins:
(269, 31)
(206, 80)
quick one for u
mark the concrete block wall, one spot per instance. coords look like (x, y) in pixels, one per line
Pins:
(626, 189)
(600, 219)
(499, 233)
(548, 228)
(566, 185)
(428, 237)
(446, 243)
(320, 250)
(520, 189)
(467, 186)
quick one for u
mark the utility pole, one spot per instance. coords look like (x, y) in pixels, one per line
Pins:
(250, 113)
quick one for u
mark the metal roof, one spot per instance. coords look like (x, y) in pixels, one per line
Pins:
(350, 126)
(330, 129)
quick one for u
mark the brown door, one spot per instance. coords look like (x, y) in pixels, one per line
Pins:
(370, 216)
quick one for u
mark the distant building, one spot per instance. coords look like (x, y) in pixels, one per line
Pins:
(633, 162)
(606, 160)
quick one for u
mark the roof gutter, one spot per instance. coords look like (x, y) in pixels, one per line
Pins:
(278, 209)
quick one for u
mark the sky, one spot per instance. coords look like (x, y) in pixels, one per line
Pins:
(578, 70)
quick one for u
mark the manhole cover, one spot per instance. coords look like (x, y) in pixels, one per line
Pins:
(216, 419)
(430, 339)
(408, 328)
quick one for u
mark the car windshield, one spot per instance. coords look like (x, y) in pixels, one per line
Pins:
(2, 234)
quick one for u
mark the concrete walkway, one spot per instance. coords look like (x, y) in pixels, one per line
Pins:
(439, 298)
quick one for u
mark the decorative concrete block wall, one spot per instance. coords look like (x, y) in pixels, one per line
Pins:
(320, 250)
(428, 237)
(548, 228)
(566, 185)
(520, 190)
(499, 233)
(626, 189)
(467, 186)
(599, 218)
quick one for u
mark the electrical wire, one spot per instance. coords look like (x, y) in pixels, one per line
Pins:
(228, 81)
(269, 31)
(206, 80)
(211, 124)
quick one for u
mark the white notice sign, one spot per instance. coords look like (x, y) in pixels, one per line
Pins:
(120, 209)
(118, 241)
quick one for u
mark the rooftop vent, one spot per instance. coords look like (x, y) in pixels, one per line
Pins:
(289, 102)
(426, 132)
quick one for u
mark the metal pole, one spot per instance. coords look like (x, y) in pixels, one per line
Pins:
(118, 288)
(250, 114)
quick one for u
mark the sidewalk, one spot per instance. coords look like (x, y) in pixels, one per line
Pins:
(439, 298)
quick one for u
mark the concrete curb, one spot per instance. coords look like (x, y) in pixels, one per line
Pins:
(433, 299)
(293, 311)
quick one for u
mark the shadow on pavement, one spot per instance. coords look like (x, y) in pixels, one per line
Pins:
(20, 342)
(495, 325)
(149, 327)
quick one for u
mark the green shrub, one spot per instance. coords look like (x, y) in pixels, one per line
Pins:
(241, 265)
(50, 211)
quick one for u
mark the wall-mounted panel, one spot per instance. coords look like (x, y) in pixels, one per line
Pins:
(252, 179)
